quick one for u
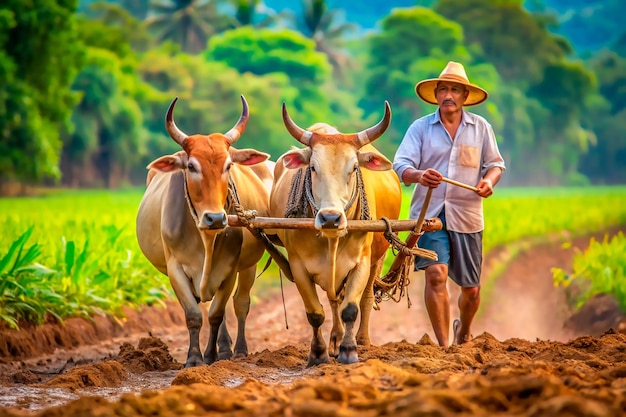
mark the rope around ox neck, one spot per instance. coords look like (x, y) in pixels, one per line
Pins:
(301, 193)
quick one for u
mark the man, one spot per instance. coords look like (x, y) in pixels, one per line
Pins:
(460, 146)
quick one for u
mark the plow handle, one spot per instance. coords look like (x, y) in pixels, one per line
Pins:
(415, 234)
(459, 184)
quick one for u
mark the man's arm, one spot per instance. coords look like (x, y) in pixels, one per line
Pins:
(428, 178)
(486, 184)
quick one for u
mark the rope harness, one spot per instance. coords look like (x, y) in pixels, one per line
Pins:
(301, 202)
(394, 284)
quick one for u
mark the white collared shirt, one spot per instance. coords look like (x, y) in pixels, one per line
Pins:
(467, 158)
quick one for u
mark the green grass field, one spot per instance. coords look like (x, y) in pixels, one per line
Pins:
(74, 253)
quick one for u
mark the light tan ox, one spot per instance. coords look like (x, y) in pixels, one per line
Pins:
(182, 229)
(343, 263)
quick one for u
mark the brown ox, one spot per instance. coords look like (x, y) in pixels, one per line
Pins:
(343, 263)
(182, 229)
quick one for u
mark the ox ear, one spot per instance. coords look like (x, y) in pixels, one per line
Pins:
(247, 156)
(297, 158)
(170, 163)
(374, 161)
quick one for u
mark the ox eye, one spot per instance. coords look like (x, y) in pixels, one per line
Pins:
(191, 167)
(312, 168)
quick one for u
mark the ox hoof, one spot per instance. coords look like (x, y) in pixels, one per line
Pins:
(239, 355)
(363, 341)
(225, 355)
(348, 355)
(194, 361)
(317, 360)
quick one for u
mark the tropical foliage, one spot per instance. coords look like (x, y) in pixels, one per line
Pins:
(84, 92)
(189, 23)
(40, 54)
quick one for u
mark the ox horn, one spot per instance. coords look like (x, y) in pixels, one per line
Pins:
(235, 132)
(175, 133)
(370, 135)
(299, 134)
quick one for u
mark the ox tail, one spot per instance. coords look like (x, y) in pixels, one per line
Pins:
(333, 244)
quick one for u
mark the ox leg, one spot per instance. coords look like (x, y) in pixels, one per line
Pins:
(355, 286)
(241, 301)
(337, 331)
(193, 314)
(347, 348)
(216, 319)
(367, 305)
(224, 341)
(314, 314)
(318, 353)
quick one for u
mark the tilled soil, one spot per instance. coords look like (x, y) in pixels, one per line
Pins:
(528, 358)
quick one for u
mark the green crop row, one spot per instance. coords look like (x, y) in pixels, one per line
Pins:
(600, 268)
(74, 253)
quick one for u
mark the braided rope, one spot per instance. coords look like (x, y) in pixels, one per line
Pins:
(301, 193)
(365, 207)
(245, 216)
(296, 205)
(393, 286)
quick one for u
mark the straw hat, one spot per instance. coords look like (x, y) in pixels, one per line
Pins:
(453, 72)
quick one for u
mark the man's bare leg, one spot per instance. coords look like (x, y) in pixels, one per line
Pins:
(469, 301)
(438, 301)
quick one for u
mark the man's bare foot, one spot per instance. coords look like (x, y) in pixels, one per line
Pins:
(458, 338)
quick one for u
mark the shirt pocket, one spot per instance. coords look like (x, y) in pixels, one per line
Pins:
(469, 156)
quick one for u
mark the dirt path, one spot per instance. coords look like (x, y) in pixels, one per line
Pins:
(403, 373)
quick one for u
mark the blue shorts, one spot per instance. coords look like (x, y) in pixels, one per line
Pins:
(461, 252)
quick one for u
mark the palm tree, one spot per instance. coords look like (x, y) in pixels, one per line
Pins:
(127, 24)
(255, 13)
(190, 23)
(324, 26)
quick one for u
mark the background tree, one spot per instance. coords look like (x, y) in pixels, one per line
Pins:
(255, 13)
(604, 163)
(328, 30)
(266, 51)
(111, 26)
(190, 23)
(510, 37)
(39, 58)
(109, 130)
(550, 112)
(287, 58)
(137, 8)
(414, 43)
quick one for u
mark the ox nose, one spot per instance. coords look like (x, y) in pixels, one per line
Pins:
(329, 220)
(214, 220)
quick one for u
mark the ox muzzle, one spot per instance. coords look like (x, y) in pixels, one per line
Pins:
(330, 219)
(213, 221)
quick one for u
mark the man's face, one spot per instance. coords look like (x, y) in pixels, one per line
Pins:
(450, 96)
